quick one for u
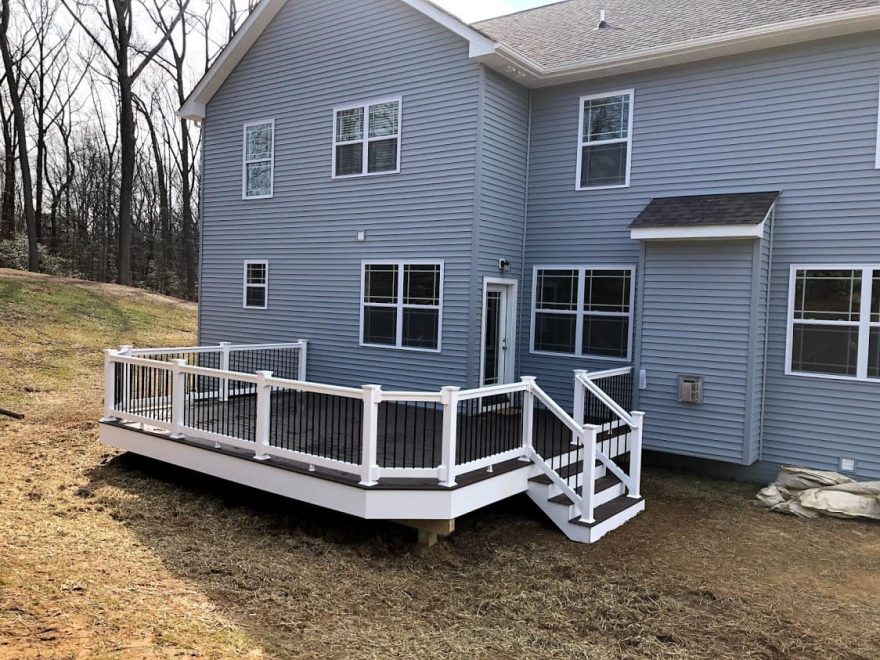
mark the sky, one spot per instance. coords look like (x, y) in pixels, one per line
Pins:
(476, 10)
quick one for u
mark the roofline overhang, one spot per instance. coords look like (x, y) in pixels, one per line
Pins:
(532, 74)
(703, 232)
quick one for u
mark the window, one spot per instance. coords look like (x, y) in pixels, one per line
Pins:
(259, 156)
(367, 139)
(583, 311)
(256, 284)
(605, 143)
(401, 305)
(834, 322)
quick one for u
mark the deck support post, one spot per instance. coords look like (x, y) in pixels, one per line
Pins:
(369, 465)
(589, 437)
(579, 401)
(109, 386)
(301, 364)
(450, 435)
(264, 412)
(224, 366)
(528, 418)
(635, 455)
(178, 398)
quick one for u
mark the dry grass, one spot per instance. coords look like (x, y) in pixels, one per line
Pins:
(115, 556)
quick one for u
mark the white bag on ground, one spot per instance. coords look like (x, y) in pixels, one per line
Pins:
(813, 493)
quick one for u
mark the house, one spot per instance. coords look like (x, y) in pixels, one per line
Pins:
(661, 213)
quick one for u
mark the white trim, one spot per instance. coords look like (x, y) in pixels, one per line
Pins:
(245, 162)
(705, 231)
(580, 313)
(865, 324)
(246, 285)
(877, 145)
(479, 44)
(631, 93)
(399, 304)
(512, 304)
(366, 139)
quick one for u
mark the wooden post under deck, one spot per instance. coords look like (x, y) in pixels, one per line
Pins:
(429, 530)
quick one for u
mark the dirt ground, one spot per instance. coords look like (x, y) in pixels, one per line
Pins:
(106, 555)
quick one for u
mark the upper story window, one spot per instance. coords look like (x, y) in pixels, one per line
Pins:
(605, 142)
(258, 159)
(582, 311)
(367, 138)
(401, 305)
(834, 322)
(256, 284)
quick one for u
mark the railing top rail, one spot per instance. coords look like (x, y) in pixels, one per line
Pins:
(607, 373)
(265, 347)
(307, 386)
(214, 349)
(492, 390)
(430, 397)
(127, 359)
(556, 409)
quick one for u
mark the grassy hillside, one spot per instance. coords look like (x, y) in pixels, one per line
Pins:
(112, 556)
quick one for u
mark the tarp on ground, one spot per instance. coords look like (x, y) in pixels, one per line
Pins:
(813, 493)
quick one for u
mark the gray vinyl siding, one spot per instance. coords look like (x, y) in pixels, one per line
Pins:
(802, 120)
(696, 320)
(501, 191)
(316, 55)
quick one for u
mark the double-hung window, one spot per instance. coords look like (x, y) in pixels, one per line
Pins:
(367, 138)
(256, 284)
(401, 305)
(258, 159)
(583, 311)
(834, 321)
(605, 140)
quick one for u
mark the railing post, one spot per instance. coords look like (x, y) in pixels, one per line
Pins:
(450, 435)
(264, 413)
(369, 449)
(126, 379)
(579, 401)
(528, 419)
(109, 386)
(178, 398)
(635, 455)
(589, 437)
(301, 364)
(224, 366)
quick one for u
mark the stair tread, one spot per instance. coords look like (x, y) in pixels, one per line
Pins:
(603, 483)
(604, 436)
(609, 510)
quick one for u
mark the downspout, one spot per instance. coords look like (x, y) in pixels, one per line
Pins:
(766, 332)
(201, 234)
(521, 345)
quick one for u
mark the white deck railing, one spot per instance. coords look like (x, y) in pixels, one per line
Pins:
(608, 417)
(352, 430)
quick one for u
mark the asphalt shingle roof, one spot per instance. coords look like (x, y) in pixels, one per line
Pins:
(564, 34)
(702, 210)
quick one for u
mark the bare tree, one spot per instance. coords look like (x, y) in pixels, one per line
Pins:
(12, 82)
(116, 20)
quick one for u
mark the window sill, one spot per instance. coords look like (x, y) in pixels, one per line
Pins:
(410, 349)
(579, 188)
(601, 358)
(245, 198)
(818, 376)
(342, 177)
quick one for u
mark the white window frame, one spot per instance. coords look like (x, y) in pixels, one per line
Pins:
(245, 162)
(246, 285)
(365, 105)
(877, 143)
(628, 140)
(580, 313)
(399, 304)
(864, 323)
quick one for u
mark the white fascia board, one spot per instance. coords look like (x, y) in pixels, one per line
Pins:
(480, 44)
(720, 232)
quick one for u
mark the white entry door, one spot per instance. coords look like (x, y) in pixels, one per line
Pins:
(499, 332)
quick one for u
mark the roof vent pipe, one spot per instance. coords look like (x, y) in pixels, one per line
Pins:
(602, 22)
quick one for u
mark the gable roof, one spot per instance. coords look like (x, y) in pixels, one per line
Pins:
(559, 43)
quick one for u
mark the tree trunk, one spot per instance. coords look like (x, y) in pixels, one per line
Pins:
(21, 132)
(7, 204)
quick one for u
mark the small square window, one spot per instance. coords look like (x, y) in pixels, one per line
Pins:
(256, 284)
(367, 139)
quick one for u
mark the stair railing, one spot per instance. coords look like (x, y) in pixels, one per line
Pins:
(589, 395)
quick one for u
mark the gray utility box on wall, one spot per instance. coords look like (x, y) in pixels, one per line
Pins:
(690, 389)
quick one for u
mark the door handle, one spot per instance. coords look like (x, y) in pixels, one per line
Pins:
(504, 344)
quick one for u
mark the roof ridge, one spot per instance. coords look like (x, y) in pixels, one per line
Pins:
(520, 11)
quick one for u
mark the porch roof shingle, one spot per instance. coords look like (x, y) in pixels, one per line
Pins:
(704, 210)
(564, 34)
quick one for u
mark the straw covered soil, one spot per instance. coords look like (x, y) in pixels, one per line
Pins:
(104, 555)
